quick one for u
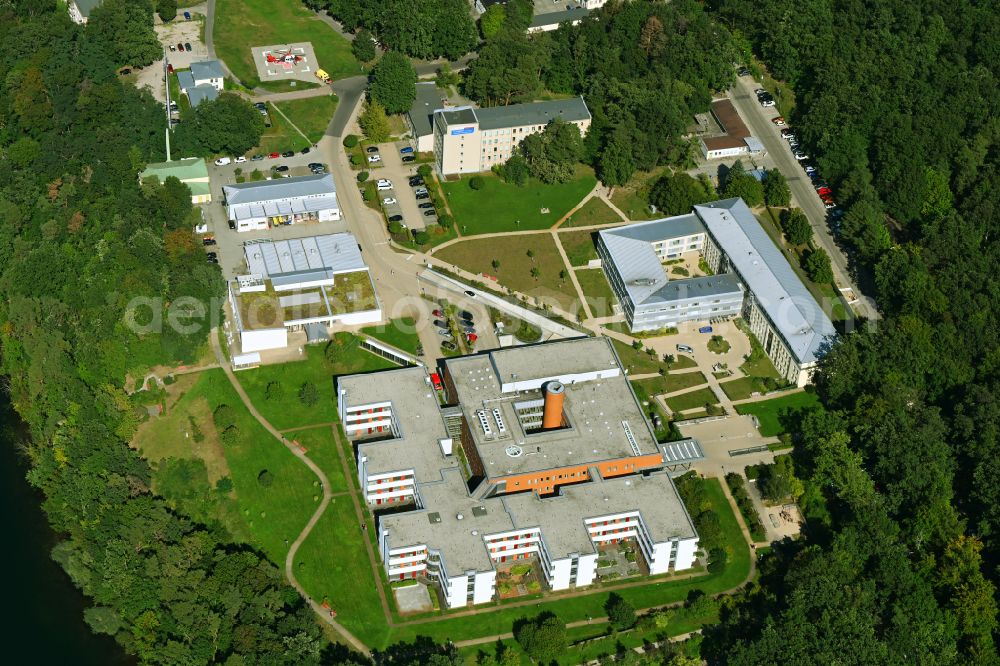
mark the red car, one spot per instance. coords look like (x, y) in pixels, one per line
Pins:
(437, 313)
(436, 381)
(274, 156)
(824, 191)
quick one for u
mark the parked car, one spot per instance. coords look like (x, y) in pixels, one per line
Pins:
(316, 165)
(799, 155)
(213, 260)
(437, 313)
(260, 105)
(274, 156)
(305, 151)
(180, 46)
(440, 323)
(415, 181)
(318, 170)
(257, 158)
(743, 71)
(830, 204)
(779, 121)
(450, 346)
(241, 159)
(465, 314)
(685, 349)
(187, 16)
(430, 213)
(426, 204)
(420, 190)
(208, 241)
(470, 293)
(787, 132)
(384, 184)
(173, 48)
(211, 255)
(408, 158)
(420, 197)
(395, 218)
(374, 159)
(407, 150)
(767, 102)
(824, 191)
(372, 149)
(810, 169)
(232, 223)
(444, 334)
(388, 201)
(187, 46)
(170, 68)
(288, 153)
(789, 137)
(223, 161)
(468, 330)
(282, 168)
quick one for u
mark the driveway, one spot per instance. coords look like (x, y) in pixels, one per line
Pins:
(758, 119)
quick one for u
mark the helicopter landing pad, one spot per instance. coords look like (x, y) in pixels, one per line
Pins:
(282, 62)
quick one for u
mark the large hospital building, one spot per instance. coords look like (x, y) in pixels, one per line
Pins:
(470, 140)
(535, 453)
(751, 279)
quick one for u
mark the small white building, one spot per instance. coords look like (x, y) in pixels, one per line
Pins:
(281, 201)
(208, 73)
(303, 283)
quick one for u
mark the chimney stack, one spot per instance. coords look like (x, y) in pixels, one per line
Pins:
(552, 416)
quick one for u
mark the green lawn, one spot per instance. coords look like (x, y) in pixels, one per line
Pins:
(682, 362)
(636, 361)
(286, 410)
(400, 333)
(768, 412)
(322, 449)
(672, 382)
(578, 246)
(242, 24)
(597, 291)
(592, 213)
(268, 516)
(333, 565)
(277, 138)
(311, 115)
(499, 206)
(692, 400)
(738, 389)
(477, 255)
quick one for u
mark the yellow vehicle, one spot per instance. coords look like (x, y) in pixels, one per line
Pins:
(323, 76)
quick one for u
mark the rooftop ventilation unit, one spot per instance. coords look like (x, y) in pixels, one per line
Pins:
(501, 426)
(643, 282)
(484, 422)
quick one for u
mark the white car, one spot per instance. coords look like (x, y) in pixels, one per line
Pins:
(240, 159)
(222, 161)
(384, 184)
(388, 201)
(799, 155)
(372, 159)
(767, 103)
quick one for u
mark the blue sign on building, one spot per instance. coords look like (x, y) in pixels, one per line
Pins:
(464, 130)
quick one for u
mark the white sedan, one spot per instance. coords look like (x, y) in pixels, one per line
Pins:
(388, 201)
(372, 159)
(241, 159)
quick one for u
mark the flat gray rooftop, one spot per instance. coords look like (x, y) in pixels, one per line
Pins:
(418, 417)
(561, 518)
(793, 311)
(532, 113)
(460, 115)
(697, 287)
(207, 69)
(596, 408)
(427, 101)
(548, 18)
(328, 253)
(280, 188)
(458, 540)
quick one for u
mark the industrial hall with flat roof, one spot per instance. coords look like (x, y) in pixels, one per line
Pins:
(539, 453)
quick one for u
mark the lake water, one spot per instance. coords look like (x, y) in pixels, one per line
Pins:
(44, 610)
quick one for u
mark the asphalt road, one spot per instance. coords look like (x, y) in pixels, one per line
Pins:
(758, 119)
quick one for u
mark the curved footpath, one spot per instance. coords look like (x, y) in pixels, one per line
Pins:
(327, 496)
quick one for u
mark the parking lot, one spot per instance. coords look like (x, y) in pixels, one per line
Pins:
(230, 243)
(399, 173)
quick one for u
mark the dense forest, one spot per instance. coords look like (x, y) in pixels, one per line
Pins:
(899, 102)
(644, 69)
(80, 241)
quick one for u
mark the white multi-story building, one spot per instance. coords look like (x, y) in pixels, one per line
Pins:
(751, 279)
(470, 140)
(79, 10)
(594, 485)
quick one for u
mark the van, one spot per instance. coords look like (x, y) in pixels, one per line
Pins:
(222, 161)
(685, 349)
(384, 184)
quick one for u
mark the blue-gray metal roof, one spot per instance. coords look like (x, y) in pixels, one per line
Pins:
(207, 69)
(185, 80)
(203, 93)
(574, 14)
(303, 259)
(279, 188)
(792, 310)
(696, 287)
(532, 113)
